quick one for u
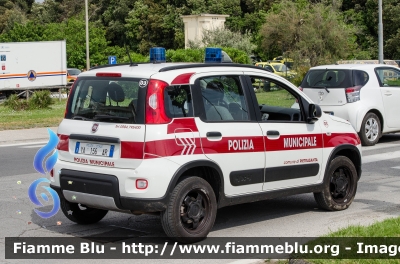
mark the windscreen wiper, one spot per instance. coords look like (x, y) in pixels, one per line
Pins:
(320, 87)
(110, 117)
(82, 118)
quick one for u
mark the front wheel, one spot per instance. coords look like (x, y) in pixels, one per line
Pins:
(191, 211)
(81, 214)
(340, 186)
(370, 131)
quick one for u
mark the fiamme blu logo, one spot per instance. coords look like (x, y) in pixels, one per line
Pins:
(43, 162)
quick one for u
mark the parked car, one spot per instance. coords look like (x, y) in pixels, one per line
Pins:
(277, 68)
(72, 74)
(367, 95)
(184, 139)
(287, 61)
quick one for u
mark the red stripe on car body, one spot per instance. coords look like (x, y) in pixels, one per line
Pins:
(180, 125)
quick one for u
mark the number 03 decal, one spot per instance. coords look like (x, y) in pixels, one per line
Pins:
(143, 83)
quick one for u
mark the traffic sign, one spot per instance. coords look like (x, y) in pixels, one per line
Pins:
(112, 59)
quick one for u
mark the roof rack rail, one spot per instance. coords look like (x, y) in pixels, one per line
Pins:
(198, 65)
(120, 64)
(110, 65)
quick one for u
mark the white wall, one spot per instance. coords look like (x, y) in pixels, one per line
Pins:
(194, 25)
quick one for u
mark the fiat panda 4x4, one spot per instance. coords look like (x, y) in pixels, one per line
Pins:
(183, 140)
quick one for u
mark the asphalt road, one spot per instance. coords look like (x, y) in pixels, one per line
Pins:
(378, 197)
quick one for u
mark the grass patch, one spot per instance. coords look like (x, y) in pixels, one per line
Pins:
(275, 98)
(389, 228)
(10, 119)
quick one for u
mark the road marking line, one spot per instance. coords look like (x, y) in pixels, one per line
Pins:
(382, 156)
(36, 146)
(24, 144)
(379, 146)
(398, 167)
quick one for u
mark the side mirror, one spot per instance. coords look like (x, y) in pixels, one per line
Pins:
(314, 112)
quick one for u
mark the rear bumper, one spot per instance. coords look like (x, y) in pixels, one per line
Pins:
(102, 191)
(348, 111)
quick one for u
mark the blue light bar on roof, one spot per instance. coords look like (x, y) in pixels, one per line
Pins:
(213, 55)
(157, 54)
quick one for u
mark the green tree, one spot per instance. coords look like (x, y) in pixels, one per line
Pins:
(23, 32)
(315, 33)
(152, 24)
(225, 38)
(112, 15)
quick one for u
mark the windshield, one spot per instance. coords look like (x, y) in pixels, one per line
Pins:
(326, 78)
(281, 67)
(113, 100)
(74, 72)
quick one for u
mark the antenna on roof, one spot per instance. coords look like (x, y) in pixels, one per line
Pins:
(129, 56)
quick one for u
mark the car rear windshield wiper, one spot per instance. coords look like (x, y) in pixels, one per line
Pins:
(321, 87)
(81, 118)
(110, 117)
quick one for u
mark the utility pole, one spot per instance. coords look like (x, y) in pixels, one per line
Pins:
(380, 34)
(87, 35)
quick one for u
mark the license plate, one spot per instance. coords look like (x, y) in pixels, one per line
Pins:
(94, 149)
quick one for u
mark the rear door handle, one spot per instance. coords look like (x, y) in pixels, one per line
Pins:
(272, 133)
(214, 134)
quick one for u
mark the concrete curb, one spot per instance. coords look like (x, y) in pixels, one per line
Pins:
(41, 134)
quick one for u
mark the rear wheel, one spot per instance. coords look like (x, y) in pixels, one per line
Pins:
(370, 131)
(81, 214)
(340, 186)
(191, 211)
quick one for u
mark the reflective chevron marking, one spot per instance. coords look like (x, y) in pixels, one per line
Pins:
(188, 144)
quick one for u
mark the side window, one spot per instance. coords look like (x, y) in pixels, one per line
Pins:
(388, 77)
(276, 101)
(360, 78)
(223, 99)
(269, 68)
(178, 101)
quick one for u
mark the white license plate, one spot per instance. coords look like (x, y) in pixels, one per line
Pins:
(94, 149)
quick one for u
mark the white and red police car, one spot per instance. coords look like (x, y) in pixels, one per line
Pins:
(186, 139)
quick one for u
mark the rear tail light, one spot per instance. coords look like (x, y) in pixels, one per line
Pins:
(353, 94)
(63, 142)
(155, 108)
(141, 184)
(52, 173)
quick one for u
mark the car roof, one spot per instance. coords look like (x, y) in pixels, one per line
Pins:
(148, 69)
(351, 66)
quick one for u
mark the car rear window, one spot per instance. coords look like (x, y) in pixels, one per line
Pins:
(113, 100)
(74, 72)
(327, 79)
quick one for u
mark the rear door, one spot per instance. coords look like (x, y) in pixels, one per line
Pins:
(230, 134)
(327, 87)
(389, 80)
(104, 123)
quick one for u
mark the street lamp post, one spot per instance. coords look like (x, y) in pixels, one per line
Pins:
(87, 35)
(380, 34)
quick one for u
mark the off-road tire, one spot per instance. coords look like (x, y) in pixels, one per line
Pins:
(81, 214)
(370, 130)
(185, 207)
(340, 185)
